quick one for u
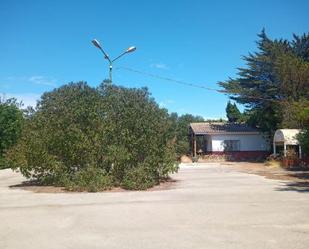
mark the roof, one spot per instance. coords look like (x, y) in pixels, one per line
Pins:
(288, 136)
(221, 128)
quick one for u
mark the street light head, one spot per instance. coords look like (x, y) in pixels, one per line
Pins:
(96, 43)
(131, 49)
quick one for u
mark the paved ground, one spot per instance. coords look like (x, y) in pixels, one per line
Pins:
(211, 206)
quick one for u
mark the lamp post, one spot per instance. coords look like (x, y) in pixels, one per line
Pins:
(110, 61)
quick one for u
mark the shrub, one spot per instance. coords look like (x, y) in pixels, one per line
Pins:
(138, 133)
(91, 139)
(139, 178)
(90, 179)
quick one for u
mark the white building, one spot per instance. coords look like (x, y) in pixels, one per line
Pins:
(227, 138)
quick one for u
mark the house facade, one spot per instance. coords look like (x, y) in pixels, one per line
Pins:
(238, 140)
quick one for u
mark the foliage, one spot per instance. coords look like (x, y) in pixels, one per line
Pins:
(181, 132)
(296, 114)
(232, 112)
(139, 178)
(304, 141)
(77, 132)
(304, 135)
(275, 75)
(91, 179)
(62, 136)
(11, 121)
(300, 46)
(138, 130)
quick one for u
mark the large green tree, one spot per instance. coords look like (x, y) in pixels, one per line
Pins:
(92, 139)
(11, 121)
(276, 74)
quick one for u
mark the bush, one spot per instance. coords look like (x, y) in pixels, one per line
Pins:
(90, 179)
(88, 139)
(3, 163)
(139, 178)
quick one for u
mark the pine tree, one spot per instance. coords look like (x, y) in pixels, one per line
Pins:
(276, 74)
(232, 112)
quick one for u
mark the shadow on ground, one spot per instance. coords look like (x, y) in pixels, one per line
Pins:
(302, 187)
(36, 187)
(301, 183)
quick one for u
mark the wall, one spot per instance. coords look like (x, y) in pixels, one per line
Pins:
(248, 142)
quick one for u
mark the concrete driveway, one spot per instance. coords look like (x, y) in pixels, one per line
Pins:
(211, 206)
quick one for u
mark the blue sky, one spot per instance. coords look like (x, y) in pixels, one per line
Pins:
(45, 44)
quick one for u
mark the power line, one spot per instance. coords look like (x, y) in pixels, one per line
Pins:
(171, 80)
(190, 84)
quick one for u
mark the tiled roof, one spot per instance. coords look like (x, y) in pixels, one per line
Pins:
(221, 128)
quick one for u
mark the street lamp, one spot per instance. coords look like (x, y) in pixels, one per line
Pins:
(98, 45)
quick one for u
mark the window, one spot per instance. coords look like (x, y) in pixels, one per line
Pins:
(231, 145)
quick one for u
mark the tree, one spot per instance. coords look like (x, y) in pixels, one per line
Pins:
(91, 139)
(11, 121)
(62, 136)
(182, 132)
(139, 134)
(295, 114)
(300, 45)
(232, 112)
(275, 75)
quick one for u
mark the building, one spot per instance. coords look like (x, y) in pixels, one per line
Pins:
(239, 140)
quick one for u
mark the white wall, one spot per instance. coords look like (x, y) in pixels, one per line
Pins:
(248, 142)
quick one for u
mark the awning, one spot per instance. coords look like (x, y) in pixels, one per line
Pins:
(287, 136)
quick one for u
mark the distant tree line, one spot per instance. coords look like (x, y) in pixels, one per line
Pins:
(274, 86)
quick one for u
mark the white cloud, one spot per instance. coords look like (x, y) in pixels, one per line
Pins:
(35, 79)
(42, 80)
(28, 99)
(159, 66)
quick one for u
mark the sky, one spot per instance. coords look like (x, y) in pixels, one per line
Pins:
(45, 44)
